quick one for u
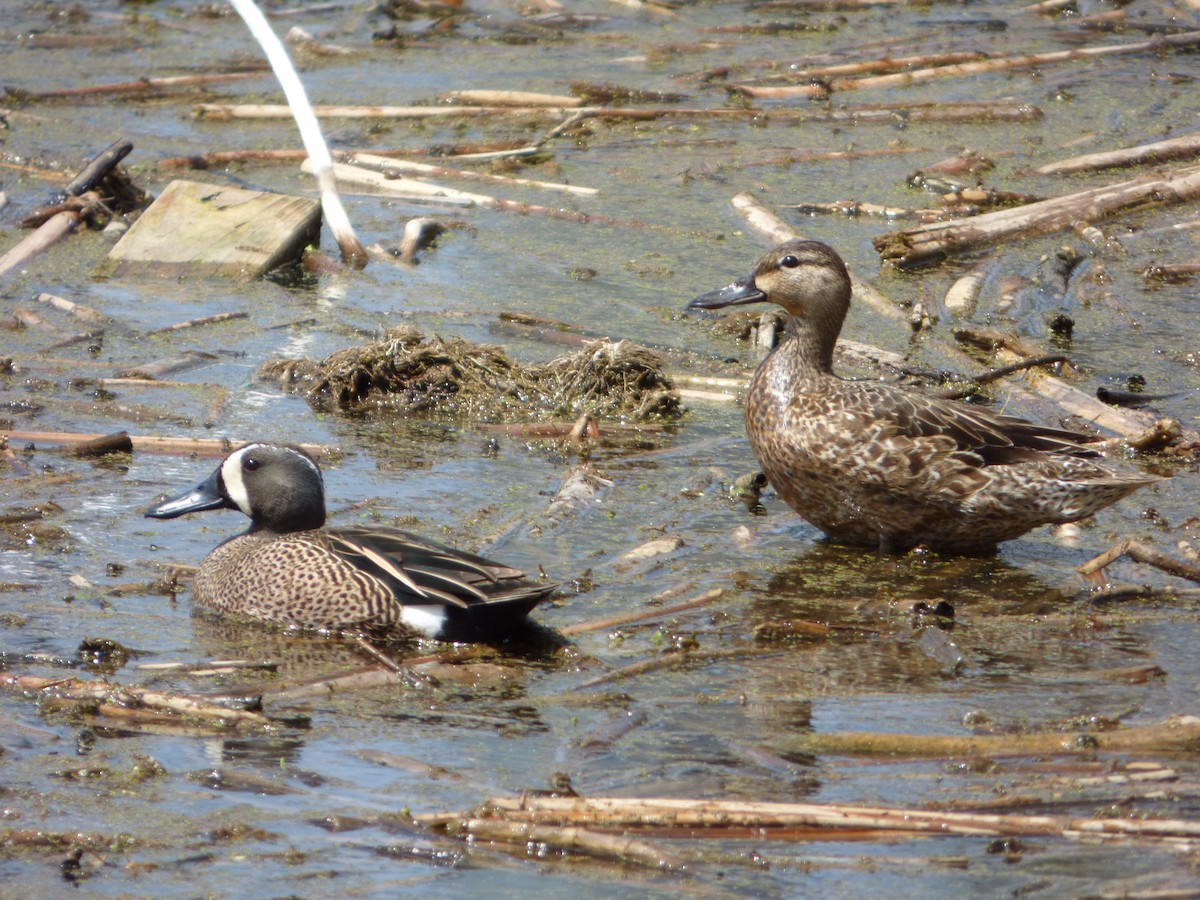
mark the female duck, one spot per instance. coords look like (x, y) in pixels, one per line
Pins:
(287, 568)
(878, 465)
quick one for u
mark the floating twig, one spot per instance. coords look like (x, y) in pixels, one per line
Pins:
(142, 85)
(145, 443)
(829, 818)
(937, 241)
(644, 615)
(1185, 146)
(674, 659)
(1142, 553)
(388, 166)
(960, 70)
(203, 320)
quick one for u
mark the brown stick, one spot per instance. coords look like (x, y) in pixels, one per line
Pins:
(1183, 147)
(670, 660)
(48, 234)
(123, 695)
(78, 310)
(995, 64)
(937, 241)
(117, 442)
(147, 444)
(644, 615)
(1139, 552)
(203, 320)
(651, 812)
(578, 840)
(144, 85)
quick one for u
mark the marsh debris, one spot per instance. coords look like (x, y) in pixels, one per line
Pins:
(408, 373)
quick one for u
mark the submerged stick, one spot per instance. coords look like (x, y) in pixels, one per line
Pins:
(142, 85)
(577, 840)
(643, 615)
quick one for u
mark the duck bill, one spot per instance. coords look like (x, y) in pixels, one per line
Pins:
(739, 293)
(206, 495)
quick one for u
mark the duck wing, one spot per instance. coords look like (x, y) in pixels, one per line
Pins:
(420, 570)
(997, 438)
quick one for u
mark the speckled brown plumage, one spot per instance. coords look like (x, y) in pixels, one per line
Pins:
(879, 465)
(290, 570)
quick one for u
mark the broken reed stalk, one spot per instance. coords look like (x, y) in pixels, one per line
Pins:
(987, 111)
(1181, 734)
(146, 443)
(572, 839)
(960, 70)
(47, 235)
(1185, 146)
(142, 86)
(353, 252)
(669, 661)
(936, 241)
(721, 815)
(1126, 423)
(133, 696)
(388, 165)
(701, 599)
(68, 219)
(1141, 553)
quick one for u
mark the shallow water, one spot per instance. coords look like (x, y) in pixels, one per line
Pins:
(1029, 646)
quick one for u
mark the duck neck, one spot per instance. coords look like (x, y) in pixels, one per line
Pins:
(807, 349)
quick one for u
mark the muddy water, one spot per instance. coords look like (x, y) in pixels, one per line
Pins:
(312, 811)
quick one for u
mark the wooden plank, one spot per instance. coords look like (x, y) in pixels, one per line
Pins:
(196, 229)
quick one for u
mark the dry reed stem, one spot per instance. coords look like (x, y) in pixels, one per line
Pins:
(629, 813)
(1139, 552)
(568, 838)
(702, 599)
(388, 165)
(130, 697)
(1183, 147)
(671, 660)
(146, 443)
(936, 241)
(144, 86)
(960, 70)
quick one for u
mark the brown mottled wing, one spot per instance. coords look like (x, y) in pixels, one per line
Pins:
(997, 438)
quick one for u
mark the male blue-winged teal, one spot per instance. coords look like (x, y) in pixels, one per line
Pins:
(879, 465)
(287, 568)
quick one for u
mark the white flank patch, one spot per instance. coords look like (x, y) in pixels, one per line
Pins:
(231, 476)
(426, 620)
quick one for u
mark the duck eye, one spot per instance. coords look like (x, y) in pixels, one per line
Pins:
(250, 464)
(789, 262)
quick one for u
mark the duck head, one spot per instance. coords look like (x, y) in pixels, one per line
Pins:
(278, 486)
(808, 279)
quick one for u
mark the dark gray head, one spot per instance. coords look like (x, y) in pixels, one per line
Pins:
(278, 486)
(808, 279)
